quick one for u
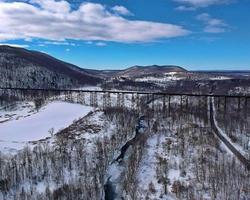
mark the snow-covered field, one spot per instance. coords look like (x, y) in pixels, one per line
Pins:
(89, 88)
(160, 79)
(16, 111)
(220, 78)
(15, 134)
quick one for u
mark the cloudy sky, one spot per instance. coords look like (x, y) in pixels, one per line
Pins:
(196, 34)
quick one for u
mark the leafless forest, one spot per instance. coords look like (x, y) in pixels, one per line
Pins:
(188, 161)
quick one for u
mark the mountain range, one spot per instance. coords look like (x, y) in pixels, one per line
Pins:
(24, 68)
(20, 67)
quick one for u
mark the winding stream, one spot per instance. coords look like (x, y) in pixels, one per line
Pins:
(111, 188)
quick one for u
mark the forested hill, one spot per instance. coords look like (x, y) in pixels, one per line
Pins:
(31, 69)
(150, 70)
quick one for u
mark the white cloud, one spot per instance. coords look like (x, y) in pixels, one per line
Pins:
(89, 42)
(185, 8)
(201, 3)
(59, 43)
(15, 45)
(52, 5)
(121, 10)
(41, 45)
(53, 20)
(101, 44)
(28, 39)
(212, 25)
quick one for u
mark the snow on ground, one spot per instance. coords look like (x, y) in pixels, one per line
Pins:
(237, 146)
(240, 90)
(89, 88)
(95, 119)
(15, 112)
(151, 172)
(147, 169)
(171, 73)
(115, 173)
(56, 115)
(159, 79)
(159, 101)
(85, 98)
(220, 78)
(147, 173)
(104, 129)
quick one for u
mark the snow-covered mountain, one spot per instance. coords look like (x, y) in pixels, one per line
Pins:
(150, 70)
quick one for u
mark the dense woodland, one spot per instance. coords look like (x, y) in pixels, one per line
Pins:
(187, 161)
(35, 75)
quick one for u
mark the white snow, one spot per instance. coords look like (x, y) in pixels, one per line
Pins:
(236, 146)
(174, 174)
(57, 115)
(240, 90)
(15, 112)
(89, 88)
(115, 171)
(147, 171)
(171, 73)
(220, 78)
(97, 119)
(160, 79)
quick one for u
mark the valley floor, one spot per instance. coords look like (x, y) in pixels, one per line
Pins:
(174, 156)
(29, 125)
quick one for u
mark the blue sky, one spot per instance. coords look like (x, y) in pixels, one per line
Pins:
(114, 34)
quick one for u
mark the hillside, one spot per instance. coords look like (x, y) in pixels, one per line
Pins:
(151, 70)
(23, 68)
(145, 151)
(20, 67)
(31, 69)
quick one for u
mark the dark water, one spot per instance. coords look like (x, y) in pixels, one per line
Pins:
(109, 188)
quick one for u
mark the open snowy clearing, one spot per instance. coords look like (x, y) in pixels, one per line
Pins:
(56, 115)
(160, 79)
(220, 78)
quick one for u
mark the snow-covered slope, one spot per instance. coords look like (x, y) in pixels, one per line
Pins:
(16, 111)
(31, 69)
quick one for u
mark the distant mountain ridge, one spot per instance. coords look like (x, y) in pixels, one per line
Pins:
(20, 67)
(150, 70)
(25, 68)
